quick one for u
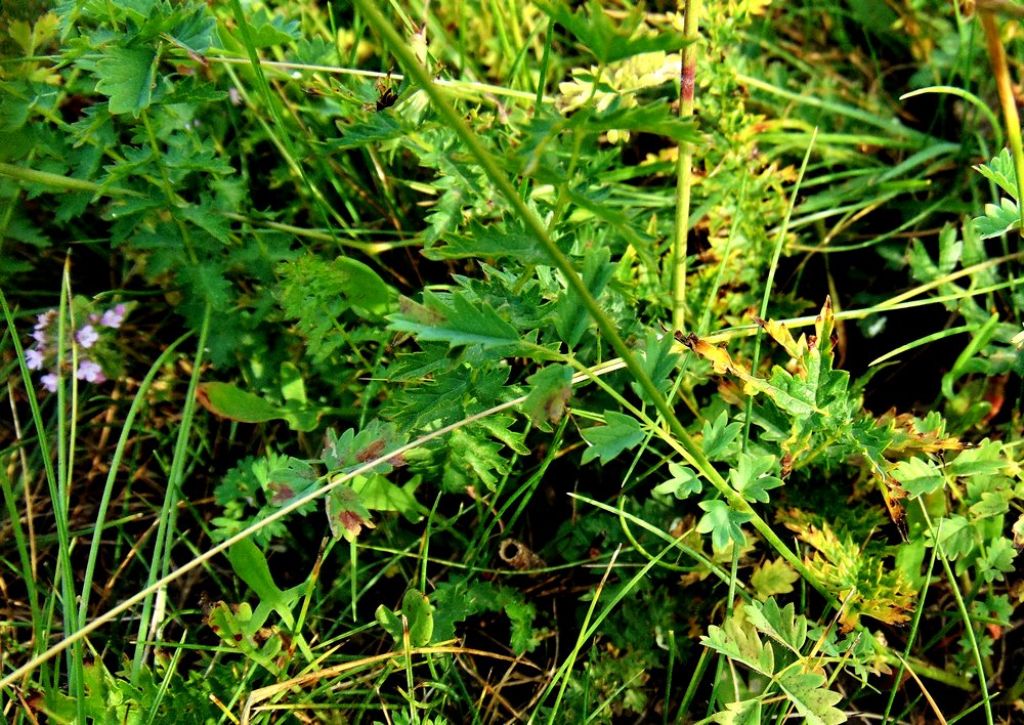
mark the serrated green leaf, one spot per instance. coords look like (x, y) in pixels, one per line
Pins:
(377, 493)
(266, 30)
(127, 77)
(738, 640)
(992, 503)
(20, 32)
(607, 40)
(521, 616)
(454, 602)
(918, 477)
(457, 321)
(658, 361)
(319, 294)
(723, 523)
(492, 241)
(350, 448)
(315, 51)
(812, 700)
(473, 459)
(571, 317)
(998, 560)
(750, 476)
(998, 220)
(655, 119)
(205, 284)
(376, 128)
(284, 478)
(619, 433)
(195, 31)
(955, 536)
(1000, 171)
(741, 712)
(982, 460)
(774, 576)
(781, 624)
(718, 435)
(683, 484)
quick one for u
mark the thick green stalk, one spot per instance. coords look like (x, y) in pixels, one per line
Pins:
(58, 181)
(684, 168)
(559, 260)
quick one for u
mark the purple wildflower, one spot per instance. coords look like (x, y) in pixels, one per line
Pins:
(43, 319)
(49, 382)
(90, 372)
(113, 317)
(34, 359)
(87, 336)
(39, 336)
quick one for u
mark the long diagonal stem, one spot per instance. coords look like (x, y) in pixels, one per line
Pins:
(559, 260)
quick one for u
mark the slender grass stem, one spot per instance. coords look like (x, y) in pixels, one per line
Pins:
(66, 421)
(138, 401)
(772, 267)
(469, 88)
(164, 540)
(965, 615)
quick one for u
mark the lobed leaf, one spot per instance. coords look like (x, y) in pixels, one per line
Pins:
(126, 77)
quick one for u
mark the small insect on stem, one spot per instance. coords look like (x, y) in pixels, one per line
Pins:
(386, 95)
(689, 340)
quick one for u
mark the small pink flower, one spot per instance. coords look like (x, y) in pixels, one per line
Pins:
(113, 317)
(90, 372)
(39, 336)
(49, 382)
(34, 359)
(87, 336)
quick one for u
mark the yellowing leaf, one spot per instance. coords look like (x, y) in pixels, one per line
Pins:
(781, 334)
(550, 389)
(346, 513)
(754, 7)
(773, 577)
(717, 356)
(918, 476)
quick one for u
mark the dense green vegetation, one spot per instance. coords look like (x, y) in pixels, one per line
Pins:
(391, 362)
